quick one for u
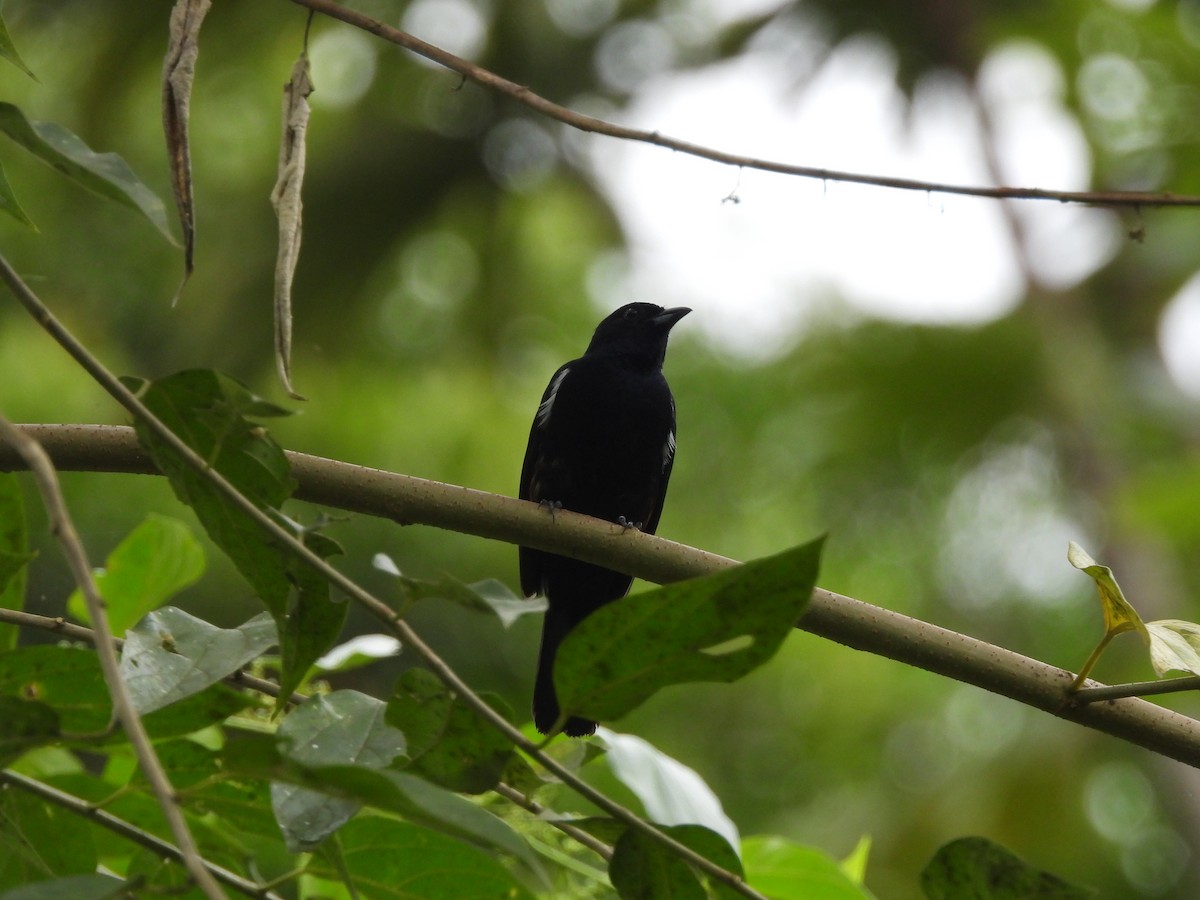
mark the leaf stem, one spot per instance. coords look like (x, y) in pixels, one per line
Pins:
(1090, 662)
(1136, 689)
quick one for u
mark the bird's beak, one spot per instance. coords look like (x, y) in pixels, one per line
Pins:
(668, 317)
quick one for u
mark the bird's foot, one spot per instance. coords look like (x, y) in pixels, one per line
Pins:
(626, 524)
(552, 506)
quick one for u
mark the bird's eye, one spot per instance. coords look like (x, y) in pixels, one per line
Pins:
(631, 313)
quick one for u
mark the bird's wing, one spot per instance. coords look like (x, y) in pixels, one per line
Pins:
(534, 459)
(668, 461)
(533, 478)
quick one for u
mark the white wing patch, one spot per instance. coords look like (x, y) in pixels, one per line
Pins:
(669, 446)
(543, 411)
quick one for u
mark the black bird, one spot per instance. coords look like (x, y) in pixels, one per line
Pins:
(602, 443)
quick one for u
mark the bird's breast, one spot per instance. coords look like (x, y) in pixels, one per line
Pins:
(604, 442)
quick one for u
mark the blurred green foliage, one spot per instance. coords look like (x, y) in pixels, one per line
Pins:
(438, 288)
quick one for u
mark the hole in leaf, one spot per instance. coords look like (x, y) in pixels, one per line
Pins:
(733, 645)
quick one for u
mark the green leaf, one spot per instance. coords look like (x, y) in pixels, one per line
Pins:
(188, 762)
(75, 887)
(171, 654)
(241, 804)
(214, 704)
(521, 776)
(338, 728)
(105, 174)
(1174, 645)
(391, 859)
(786, 871)
(156, 560)
(14, 553)
(69, 681)
(488, 596)
(449, 743)
(425, 803)
(66, 679)
(25, 724)
(208, 411)
(855, 863)
(158, 877)
(643, 869)
(10, 204)
(314, 620)
(8, 50)
(386, 789)
(39, 840)
(716, 628)
(974, 868)
(671, 793)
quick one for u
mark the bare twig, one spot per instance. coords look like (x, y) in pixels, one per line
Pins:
(352, 589)
(55, 624)
(1135, 689)
(532, 806)
(523, 95)
(123, 708)
(129, 831)
(851, 622)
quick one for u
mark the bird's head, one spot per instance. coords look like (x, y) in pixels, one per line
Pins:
(637, 331)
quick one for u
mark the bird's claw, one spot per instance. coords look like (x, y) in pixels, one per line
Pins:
(552, 506)
(626, 524)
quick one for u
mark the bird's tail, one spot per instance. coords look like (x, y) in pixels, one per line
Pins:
(545, 701)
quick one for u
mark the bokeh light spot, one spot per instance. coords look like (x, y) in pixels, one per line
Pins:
(343, 67)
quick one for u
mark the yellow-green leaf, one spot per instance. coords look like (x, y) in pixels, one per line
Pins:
(1174, 645)
(1119, 615)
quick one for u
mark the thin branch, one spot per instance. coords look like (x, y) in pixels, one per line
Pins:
(1136, 689)
(368, 601)
(853, 623)
(59, 625)
(530, 805)
(123, 708)
(129, 831)
(55, 624)
(591, 124)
